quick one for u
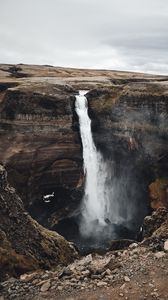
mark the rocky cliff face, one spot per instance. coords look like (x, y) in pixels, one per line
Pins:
(40, 142)
(39, 147)
(130, 128)
(24, 244)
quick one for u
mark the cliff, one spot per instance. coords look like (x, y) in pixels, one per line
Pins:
(40, 142)
(130, 127)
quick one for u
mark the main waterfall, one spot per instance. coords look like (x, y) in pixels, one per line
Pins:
(95, 206)
(106, 212)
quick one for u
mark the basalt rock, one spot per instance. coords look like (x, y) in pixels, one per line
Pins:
(24, 244)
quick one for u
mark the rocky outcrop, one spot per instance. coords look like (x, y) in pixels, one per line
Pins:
(24, 244)
(156, 225)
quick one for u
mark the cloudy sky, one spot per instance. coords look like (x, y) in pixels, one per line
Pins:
(106, 34)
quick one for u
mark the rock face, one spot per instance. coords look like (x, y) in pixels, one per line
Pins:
(40, 142)
(39, 147)
(130, 129)
(24, 244)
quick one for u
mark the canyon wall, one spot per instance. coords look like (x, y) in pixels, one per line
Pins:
(40, 142)
(130, 127)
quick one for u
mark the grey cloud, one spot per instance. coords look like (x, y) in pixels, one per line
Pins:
(123, 34)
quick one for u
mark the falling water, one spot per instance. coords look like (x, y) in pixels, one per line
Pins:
(108, 210)
(96, 205)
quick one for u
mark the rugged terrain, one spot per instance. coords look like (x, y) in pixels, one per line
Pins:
(40, 142)
(41, 151)
(136, 272)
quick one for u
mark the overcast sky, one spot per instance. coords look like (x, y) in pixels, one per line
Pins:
(106, 34)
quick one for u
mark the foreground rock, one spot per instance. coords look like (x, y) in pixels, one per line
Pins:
(24, 244)
(138, 272)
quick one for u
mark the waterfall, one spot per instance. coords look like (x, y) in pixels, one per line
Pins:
(95, 208)
(108, 210)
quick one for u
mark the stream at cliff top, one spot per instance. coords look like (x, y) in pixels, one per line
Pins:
(100, 219)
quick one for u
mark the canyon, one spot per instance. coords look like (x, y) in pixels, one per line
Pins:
(41, 149)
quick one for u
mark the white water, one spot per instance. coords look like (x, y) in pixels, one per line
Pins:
(96, 203)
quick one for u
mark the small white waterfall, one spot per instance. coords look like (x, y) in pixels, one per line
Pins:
(96, 204)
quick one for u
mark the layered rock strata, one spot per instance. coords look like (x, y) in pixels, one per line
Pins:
(40, 142)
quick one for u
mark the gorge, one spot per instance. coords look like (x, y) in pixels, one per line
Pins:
(42, 148)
